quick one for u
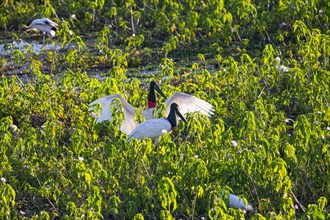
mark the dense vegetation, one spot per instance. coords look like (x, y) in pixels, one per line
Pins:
(267, 142)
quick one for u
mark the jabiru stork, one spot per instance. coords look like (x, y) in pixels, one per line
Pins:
(129, 111)
(154, 128)
(44, 25)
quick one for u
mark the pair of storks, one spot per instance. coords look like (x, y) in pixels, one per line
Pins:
(177, 105)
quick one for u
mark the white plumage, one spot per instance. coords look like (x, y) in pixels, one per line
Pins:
(154, 128)
(129, 122)
(279, 67)
(238, 203)
(44, 25)
(188, 103)
(105, 113)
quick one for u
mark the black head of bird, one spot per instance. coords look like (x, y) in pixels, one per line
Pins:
(172, 116)
(152, 96)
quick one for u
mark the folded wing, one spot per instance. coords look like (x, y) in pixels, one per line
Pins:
(49, 22)
(43, 22)
(152, 128)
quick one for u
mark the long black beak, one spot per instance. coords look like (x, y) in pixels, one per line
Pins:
(181, 116)
(156, 87)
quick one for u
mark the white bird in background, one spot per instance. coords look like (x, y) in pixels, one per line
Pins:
(279, 67)
(129, 122)
(44, 25)
(188, 103)
(154, 128)
(238, 203)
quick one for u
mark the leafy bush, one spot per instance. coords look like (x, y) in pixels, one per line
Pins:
(267, 142)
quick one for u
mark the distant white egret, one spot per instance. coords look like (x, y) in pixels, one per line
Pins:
(238, 203)
(44, 25)
(154, 128)
(279, 67)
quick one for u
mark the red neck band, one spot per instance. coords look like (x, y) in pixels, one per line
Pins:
(151, 104)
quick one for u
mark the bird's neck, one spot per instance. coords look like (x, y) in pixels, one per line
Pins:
(152, 98)
(172, 119)
(151, 104)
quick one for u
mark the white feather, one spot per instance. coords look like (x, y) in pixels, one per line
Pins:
(152, 128)
(238, 203)
(148, 113)
(105, 113)
(279, 67)
(44, 25)
(189, 103)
